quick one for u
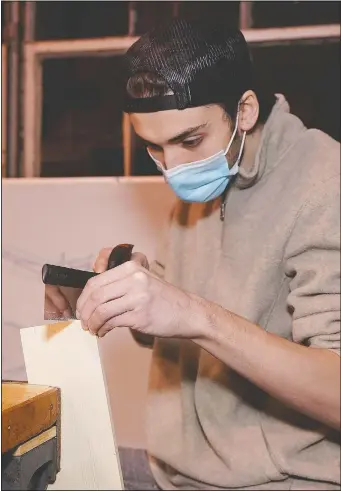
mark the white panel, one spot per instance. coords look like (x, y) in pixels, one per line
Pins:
(89, 457)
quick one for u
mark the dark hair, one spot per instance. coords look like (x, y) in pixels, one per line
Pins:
(146, 84)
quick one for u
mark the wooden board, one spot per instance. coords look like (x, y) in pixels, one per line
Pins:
(27, 410)
(65, 356)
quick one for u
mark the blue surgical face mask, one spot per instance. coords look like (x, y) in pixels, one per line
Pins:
(203, 180)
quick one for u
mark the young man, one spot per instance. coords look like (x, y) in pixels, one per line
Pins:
(243, 302)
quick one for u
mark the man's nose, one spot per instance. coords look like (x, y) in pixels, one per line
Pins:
(170, 159)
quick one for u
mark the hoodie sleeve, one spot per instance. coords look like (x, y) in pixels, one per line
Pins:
(312, 262)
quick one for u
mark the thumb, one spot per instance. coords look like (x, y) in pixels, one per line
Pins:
(141, 259)
(101, 263)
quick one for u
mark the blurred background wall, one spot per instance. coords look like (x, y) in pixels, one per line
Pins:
(76, 89)
(66, 222)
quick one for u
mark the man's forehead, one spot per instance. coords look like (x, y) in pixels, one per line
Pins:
(160, 127)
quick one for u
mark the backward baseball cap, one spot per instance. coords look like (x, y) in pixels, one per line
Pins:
(200, 63)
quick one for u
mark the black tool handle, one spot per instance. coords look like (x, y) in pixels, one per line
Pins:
(61, 276)
(119, 255)
(76, 278)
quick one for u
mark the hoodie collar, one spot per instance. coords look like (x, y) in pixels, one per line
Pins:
(280, 131)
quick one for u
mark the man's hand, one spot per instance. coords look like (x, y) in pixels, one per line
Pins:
(56, 305)
(101, 263)
(131, 296)
(306, 379)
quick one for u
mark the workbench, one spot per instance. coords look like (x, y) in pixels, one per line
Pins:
(30, 443)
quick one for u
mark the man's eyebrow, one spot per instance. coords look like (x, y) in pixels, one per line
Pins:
(185, 134)
(178, 138)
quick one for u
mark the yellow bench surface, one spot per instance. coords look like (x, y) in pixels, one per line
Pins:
(27, 410)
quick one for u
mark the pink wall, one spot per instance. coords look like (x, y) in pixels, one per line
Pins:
(68, 221)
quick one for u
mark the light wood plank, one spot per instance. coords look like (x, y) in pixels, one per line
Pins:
(65, 356)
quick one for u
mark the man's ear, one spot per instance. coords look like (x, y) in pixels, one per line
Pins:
(249, 111)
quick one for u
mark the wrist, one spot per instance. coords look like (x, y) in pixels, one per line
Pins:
(204, 318)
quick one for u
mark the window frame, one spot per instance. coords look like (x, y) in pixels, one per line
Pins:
(36, 52)
(3, 109)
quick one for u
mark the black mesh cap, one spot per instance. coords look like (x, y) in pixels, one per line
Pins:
(201, 64)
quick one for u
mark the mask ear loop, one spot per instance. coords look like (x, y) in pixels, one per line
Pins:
(157, 162)
(241, 148)
(234, 168)
(234, 131)
(233, 135)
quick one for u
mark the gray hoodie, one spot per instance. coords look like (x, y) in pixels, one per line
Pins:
(274, 260)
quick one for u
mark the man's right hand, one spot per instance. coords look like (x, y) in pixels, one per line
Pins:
(57, 305)
(101, 265)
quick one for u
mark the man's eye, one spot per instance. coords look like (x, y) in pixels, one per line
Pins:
(194, 142)
(154, 148)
